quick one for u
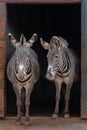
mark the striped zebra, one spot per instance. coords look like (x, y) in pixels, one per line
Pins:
(62, 68)
(23, 71)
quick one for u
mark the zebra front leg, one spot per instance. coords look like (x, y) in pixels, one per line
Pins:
(67, 98)
(18, 102)
(57, 99)
(27, 104)
(18, 111)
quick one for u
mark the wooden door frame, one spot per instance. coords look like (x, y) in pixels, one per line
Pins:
(3, 29)
(84, 59)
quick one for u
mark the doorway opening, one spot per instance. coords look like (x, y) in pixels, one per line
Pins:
(45, 20)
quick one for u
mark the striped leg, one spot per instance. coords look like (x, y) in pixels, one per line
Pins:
(27, 104)
(57, 99)
(18, 97)
(67, 98)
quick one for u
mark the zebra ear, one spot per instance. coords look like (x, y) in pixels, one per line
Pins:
(54, 42)
(32, 40)
(45, 45)
(63, 42)
(12, 40)
(22, 39)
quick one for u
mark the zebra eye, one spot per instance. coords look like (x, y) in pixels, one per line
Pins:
(16, 69)
(56, 56)
(28, 70)
(27, 55)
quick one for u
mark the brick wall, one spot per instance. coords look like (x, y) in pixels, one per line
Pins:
(2, 57)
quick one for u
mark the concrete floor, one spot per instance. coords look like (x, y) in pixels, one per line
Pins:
(45, 123)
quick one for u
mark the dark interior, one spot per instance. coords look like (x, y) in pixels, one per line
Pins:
(46, 21)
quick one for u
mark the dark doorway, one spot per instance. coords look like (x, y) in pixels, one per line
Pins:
(46, 21)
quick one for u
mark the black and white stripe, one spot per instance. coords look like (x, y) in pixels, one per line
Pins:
(64, 69)
(21, 71)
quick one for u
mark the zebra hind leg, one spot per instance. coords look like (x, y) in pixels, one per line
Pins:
(67, 98)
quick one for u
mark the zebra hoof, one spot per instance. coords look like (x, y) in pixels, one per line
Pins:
(54, 116)
(18, 123)
(66, 116)
(27, 123)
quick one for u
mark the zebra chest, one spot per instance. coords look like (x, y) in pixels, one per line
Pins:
(64, 70)
(19, 85)
(62, 80)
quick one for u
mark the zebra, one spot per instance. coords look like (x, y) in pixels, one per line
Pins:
(23, 71)
(62, 68)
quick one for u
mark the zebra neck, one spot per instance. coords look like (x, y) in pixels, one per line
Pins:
(64, 68)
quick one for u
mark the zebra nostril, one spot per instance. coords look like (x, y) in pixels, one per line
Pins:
(17, 71)
(21, 77)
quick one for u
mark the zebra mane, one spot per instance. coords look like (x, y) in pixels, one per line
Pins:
(59, 41)
(63, 42)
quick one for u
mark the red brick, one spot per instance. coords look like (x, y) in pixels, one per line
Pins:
(2, 101)
(2, 34)
(2, 84)
(2, 77)
(2, 25)
(2, 55)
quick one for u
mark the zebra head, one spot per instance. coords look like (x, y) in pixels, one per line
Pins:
(22, 64)
(54, 55)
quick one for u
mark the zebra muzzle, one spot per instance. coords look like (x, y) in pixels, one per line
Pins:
(49, 76)
(21, 77)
